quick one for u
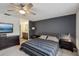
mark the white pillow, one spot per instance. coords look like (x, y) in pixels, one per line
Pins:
(53, 38)
(67, 38)
(43, 36)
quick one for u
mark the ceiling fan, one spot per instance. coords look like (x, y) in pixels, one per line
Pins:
(21, 8)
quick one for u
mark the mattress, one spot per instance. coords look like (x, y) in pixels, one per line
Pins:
(40, 47)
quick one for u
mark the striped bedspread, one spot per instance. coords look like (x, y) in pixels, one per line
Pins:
(40, 47)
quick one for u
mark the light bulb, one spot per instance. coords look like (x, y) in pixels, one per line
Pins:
(21, 11)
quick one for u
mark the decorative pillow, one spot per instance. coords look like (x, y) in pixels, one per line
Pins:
(66, 38)
(43, 37)
(53, 38)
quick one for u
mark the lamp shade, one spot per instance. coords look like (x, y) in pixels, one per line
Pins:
(33, 28)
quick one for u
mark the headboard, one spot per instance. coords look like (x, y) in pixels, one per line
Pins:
(58, 35)
(51, 34)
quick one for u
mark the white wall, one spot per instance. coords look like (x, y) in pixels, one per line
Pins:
(24, 26)
(13, 20)
(77, 30)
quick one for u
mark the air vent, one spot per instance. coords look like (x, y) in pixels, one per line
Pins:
(7, 14)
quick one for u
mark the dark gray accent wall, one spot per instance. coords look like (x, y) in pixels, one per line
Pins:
(31, 32)
(61, 25)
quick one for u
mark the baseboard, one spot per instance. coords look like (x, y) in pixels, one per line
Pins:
(78, 51)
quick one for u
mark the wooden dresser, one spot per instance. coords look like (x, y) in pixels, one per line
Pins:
(9, 41)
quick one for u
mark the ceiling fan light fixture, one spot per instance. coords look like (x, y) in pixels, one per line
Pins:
(21, 11)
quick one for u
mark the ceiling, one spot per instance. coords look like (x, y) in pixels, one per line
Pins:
(45, 10)
(3, 9)
(50, 10)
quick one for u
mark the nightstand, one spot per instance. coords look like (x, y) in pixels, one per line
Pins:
(35, 36)
(67, 45)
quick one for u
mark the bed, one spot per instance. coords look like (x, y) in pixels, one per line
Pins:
(40, 47)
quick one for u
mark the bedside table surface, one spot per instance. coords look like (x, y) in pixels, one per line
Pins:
(66, 45)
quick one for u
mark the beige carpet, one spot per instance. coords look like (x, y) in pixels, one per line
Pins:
(14, 51)
(64, 52)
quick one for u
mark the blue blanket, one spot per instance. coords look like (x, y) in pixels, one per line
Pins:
(41, 47)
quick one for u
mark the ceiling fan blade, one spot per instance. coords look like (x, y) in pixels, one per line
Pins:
(30, 12)
(15, 6)
(33, 13)
(28, 6)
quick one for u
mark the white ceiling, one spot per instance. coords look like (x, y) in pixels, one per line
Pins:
(3, 9)
(46, 10)
(50, 10)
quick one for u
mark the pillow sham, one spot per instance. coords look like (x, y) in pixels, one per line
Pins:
(43, 37)
(53, 38)
(66, 38)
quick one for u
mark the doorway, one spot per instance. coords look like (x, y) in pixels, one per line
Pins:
(24, 30)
